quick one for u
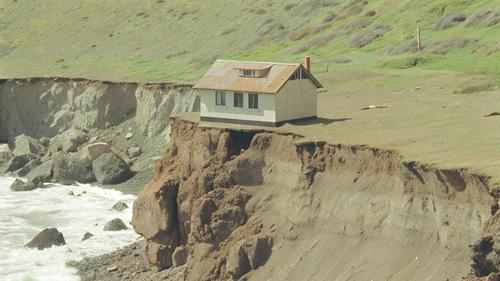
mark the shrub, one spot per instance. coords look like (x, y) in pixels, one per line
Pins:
(370, 13)
(450, 21)
(477, 88)
(366, 37)
(444, 47)
(484, 17)
(329, 18)
(316, 42)
(300, 34)
(406, 62)
(402, 48)
(260, 11)
(289, 7)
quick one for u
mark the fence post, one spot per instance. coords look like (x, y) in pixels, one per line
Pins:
(419, 43)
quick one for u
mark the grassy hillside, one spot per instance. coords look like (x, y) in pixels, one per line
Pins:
(160, 40)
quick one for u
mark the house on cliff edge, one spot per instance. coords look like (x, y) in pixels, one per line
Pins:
(258, 93)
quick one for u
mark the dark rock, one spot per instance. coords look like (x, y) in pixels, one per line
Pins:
(69, 169)
(482, 259)
(115, 225)
(450, 21)
(18, 162)
(41, 173)
(71, 193)
(19, 185)
(32, 164)
(111, 169)
(87, 236)
(47, 238)
(44, 141)
(120, 206)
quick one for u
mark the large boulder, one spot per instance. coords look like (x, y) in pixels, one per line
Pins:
(120, 206)
(41, 173)
(72, 139)
(68, 169)
(45, 141)
(134, 151)
(25, 144)
(46, 239)
(93, 151)
(237, 263)
(155, 216)
(111, 169)
(87, 236)
(180, 256)
(115, 225)
(159, 255)
(5, 153)
(17, 162)
(19, 185)
(248, 254)
(32, 164)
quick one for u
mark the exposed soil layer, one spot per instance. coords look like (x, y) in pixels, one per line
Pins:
(229, 204)
(45, 107)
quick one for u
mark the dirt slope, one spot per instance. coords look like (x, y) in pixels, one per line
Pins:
(320, 211)
(45, 107)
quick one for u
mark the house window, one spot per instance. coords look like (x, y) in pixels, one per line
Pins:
(220, 98)
(253, 101)
(238, 99)
(249, 72)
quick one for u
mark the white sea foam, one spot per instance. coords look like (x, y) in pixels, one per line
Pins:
(24, 214)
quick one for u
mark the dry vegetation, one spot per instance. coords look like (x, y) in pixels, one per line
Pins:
(171, 40)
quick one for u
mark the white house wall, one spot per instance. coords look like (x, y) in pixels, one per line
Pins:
(265, 113)
(297, 99)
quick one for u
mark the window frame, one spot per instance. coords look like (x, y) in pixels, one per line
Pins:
(222, 95)
(249, 73)
(240, 98)
(253, 101)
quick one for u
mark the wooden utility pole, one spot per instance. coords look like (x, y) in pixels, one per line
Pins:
(419, 43)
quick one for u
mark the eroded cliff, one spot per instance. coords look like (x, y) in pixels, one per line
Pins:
(231, 203)
(45, 107)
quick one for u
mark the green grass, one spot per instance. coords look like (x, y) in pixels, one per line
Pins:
(177, 40)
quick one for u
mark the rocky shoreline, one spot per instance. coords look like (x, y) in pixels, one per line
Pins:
(77, 156)
(108, 134)
(127, 263)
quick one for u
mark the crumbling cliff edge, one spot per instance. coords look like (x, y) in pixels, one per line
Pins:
(230, 203)
(46, 107)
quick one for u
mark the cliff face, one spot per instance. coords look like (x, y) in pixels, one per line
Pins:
(45, 107)
(232, 203)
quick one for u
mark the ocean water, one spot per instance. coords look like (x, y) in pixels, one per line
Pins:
(24, 214)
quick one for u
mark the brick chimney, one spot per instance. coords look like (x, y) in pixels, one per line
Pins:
(307, 63)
